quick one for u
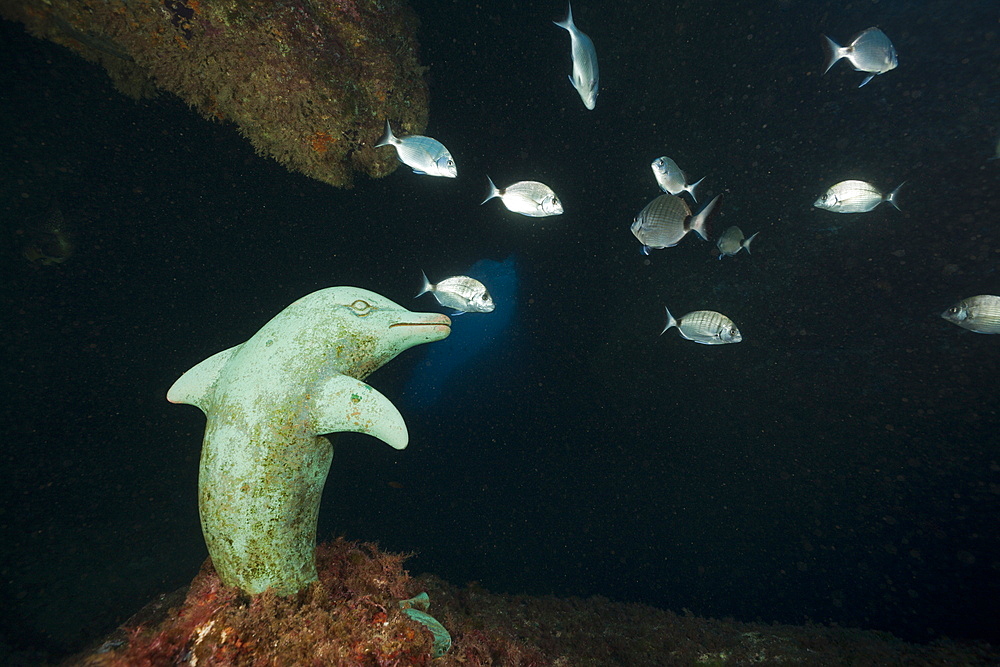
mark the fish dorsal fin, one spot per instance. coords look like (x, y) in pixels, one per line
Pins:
(343, 403)
(195, 386)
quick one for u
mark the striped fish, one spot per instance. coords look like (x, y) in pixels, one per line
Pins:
(977, 313)
(464, 294)
(666, 220)
(705, 326)
(421, 154)
(855, 197)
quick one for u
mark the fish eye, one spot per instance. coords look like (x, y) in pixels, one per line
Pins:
(361, 307)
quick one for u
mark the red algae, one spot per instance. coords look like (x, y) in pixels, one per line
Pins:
(351, 616)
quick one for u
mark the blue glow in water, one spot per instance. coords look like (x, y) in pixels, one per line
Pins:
(472, 334)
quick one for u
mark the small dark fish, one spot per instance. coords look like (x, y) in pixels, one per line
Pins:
(732, 241)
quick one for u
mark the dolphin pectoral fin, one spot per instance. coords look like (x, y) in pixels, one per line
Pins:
(195, 386)
(346, 404)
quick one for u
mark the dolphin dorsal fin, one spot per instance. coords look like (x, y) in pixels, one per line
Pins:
(343, 403)
(195, 386)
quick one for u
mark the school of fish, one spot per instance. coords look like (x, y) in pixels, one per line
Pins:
(665, 220)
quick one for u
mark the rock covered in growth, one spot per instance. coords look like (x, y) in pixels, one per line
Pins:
(352, 616)
(308, 82)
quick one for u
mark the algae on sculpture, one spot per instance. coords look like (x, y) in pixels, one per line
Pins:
(268, 401)
(308, 82)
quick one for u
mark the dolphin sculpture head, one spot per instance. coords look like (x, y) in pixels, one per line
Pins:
(268, 403)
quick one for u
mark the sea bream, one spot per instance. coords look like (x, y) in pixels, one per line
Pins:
(666, 220)
(421, 154)
(530, 198)
(671, 179)
(704, 326)
(732, 241)
(584, 77)
(977, 313)
(871, 52)
(462, 293)
(855, 197)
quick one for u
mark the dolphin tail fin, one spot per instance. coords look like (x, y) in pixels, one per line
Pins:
(195, 386)
(343, 403)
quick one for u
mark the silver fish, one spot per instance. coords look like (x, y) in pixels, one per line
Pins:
(666, 220)
(422, 154)
(464, 294)
(855, 197)
(705, 326)
(977, 313)
(530, 198)
(584, 77)
(671, 179)
(871, 52)
(732, 241)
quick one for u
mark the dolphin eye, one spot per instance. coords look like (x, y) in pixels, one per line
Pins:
(361, 307)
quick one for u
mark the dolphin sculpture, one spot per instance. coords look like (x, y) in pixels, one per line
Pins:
(268, 402)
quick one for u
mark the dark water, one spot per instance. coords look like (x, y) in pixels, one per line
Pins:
(840, 464)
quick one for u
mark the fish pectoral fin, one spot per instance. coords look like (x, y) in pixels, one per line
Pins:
(344, 403)
(867, 79)
(195, 386)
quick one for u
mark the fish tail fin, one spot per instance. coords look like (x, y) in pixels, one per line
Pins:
(671, 322)
(427, 286)
(891, 197)
(387, 136)
(567, 22)
(746, 241)
(494, 191)
(834, 52)
(690, 188)
(698, 222)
